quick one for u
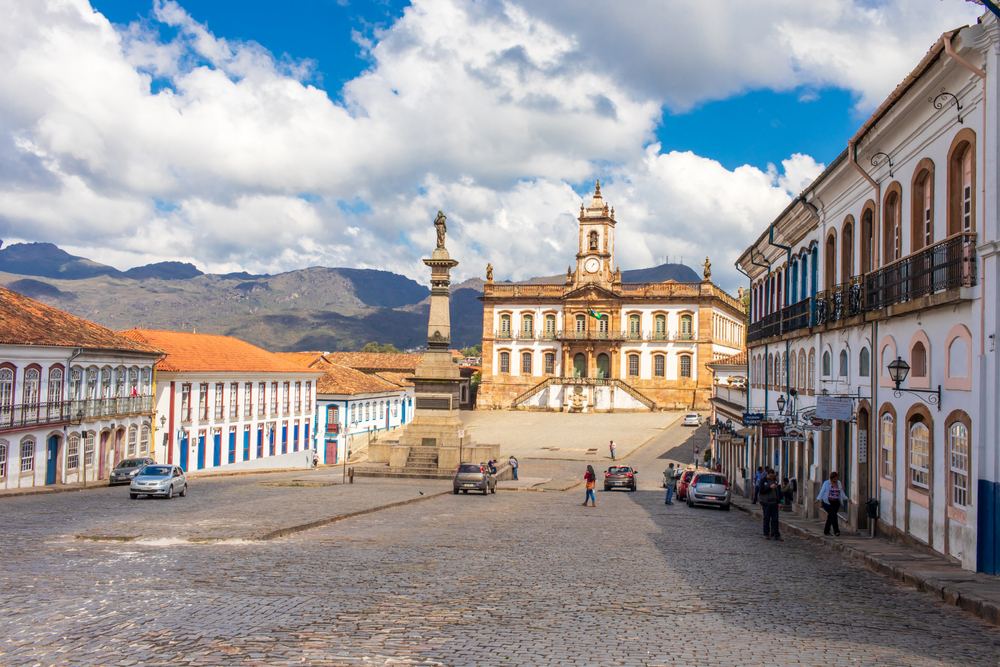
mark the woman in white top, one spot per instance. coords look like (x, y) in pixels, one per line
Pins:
(832, 495)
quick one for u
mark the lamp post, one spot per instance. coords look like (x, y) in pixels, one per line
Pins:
(898, 370)
(781, 404)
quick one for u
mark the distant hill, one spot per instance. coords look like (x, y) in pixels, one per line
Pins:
(309, 309)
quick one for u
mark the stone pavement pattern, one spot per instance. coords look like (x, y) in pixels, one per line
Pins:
(555, 435)
(505, 579)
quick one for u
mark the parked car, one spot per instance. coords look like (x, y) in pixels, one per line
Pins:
(692, 419)
(620, 477)
(474, 477)
(125, 471)
(709, 488)
(159, 480)
(682, 483)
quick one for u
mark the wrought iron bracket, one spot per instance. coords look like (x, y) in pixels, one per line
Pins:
(876, 162)
(943, 99)
(928, 396)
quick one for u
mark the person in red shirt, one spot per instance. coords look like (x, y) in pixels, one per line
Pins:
(590, 477)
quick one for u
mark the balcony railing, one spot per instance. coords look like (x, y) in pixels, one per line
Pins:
(332, 428)
(40, 414)
(99, 408)
(34, 414)
(596, 335)
(950, 263)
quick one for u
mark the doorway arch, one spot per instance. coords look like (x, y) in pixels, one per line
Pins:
(603, 365)
(580, 365)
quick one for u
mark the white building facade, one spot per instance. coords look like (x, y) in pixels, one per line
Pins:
(891, 254)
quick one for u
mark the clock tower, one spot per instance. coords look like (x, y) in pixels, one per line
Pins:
(595, 261)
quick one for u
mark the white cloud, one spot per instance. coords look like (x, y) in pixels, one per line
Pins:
(490, 110)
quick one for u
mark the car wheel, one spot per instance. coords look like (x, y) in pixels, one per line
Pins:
(455, 492)
(465, 490)
(633, 487)
(690, 504)
(184, 491)
(726, 507)
(133, 496)
(607, 488)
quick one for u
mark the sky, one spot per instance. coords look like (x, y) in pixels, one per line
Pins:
(269, 137)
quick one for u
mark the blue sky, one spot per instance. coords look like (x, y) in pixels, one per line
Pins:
(244, 135)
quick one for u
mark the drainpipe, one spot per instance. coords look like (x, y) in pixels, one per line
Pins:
(852, 156)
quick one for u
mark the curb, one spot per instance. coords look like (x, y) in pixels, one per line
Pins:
(45, 491)
(291, 530)
(987, 610)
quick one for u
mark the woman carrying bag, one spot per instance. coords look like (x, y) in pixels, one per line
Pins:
(831, 495)
(591, 479)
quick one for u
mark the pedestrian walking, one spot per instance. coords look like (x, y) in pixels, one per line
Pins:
(315, 458)
(513, 465)
(612, 450)
(590, 477)
(757, 477)
(769, 492)
(832, 495)
(670, 477)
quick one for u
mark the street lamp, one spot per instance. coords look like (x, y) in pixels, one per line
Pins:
(898, 370)
(163, 421)
(781, 404)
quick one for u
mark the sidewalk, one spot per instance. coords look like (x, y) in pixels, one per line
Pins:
(978, 594)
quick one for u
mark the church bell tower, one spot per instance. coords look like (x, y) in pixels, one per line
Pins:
(595, 260)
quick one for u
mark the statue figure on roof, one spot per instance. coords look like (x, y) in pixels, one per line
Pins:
(489, 272)
(708, 269)
(441, 228)
(739, 293)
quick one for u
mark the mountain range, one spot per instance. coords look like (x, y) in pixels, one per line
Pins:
(307, 309)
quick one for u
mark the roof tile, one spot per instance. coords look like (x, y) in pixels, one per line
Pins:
(200, 353)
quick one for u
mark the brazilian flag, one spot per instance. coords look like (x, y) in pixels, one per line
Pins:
(595, 314)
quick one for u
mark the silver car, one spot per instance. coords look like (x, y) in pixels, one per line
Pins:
(474, 477)
(692, 419)
(709, 488)
(159, 480)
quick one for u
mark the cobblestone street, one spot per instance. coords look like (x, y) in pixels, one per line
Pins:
(505, 579)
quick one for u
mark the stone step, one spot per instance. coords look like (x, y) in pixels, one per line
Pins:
(385, 471)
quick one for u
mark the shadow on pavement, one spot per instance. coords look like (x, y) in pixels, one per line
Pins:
(684, 452)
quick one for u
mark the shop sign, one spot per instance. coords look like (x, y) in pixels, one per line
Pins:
(745, 432)
(722, 437)
(831, 407)
(793, 434)
(752, 418)
(772, 430)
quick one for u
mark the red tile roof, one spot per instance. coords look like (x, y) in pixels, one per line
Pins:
(306, 359)
(396, 378)
(24, 321)
(373, 361)
(348, 381)
(738, 359)
(201, 353)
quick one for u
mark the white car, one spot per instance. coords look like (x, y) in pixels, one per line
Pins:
(159, 480)
(692, 419)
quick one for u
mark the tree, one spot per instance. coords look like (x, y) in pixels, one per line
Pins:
(380, 349)
(473, 351)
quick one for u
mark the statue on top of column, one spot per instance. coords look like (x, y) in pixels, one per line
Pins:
(489, 272)
(708, 269)
(441, 228)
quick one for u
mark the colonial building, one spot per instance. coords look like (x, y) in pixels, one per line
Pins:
(75, 398)
(875, 313)
(729, 403)
(224, 403)
(595, 343)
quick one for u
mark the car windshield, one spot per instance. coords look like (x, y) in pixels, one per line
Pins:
(686, 476)
(691, 415)
(156, 470)
(616, 470)
(130, 463)
(469, 467)
(710, 479)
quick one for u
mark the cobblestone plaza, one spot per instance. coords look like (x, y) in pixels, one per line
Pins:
(506, 579)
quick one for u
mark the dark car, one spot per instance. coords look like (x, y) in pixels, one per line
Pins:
(125, 471)
(709, 488)
(620, 477)
(474, 477)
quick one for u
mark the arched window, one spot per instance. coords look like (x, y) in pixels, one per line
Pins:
(395, 407)
(922, 227)
(133, 381)
(791, 372)
(918, 360)
(685, 366)
(831, 260)
(505, 362)
(634, 332)
(106, 382)
(332, 414)
(593, 240)
(802, 370)
(812, 370)
(888, 444)
(550, 326)
(776, 377)
(120, 381)
(133, 439)
(528, 326)
(76, 383)
(6, 395)
(55, 385)
(526, 363)
(354, 414)
(660, 327)
(88, 450)
(891, 242)
(550, 363)
(147, 386)
(144, 439)
(769, 370)
(687, 327)
(381, 409)
(804, 293)
(958, 445)
(844, 364)
(961, 184)
(826, 364)
(505, 326)
(72, 453)
(581, 323)
(814, 275)
(31, 388)
(633, 365)
(92, 382)
(867, 235)
(367, 411)
(3, 458)
(920, 455)
(864, 363)
(784, 370)
(847, 251)
(27, 455)
(659, 367)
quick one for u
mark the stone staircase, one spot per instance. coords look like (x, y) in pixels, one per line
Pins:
(421, 463)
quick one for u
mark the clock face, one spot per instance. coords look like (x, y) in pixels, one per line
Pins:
(592, 265)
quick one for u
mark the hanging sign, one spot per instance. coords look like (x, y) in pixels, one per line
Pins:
(752, 418)
(723, 437)
(830, 407)
(793, 434)
(772, 430)
(745, 432)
